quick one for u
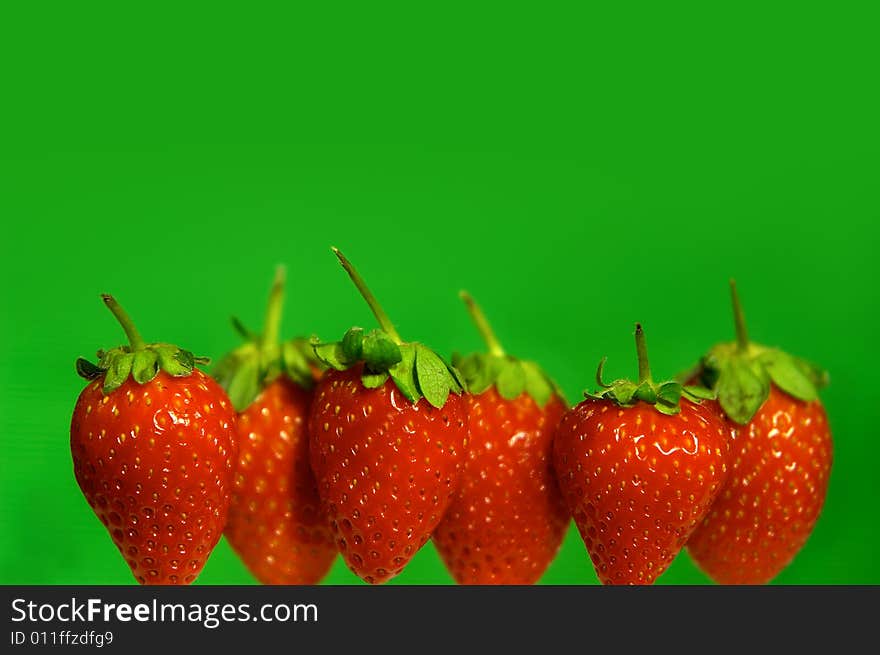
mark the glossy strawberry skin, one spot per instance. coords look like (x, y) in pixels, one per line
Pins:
(780, 466)
(155, 462)
(508, 519)
(638, 482)
(276, 524)
(386, 468)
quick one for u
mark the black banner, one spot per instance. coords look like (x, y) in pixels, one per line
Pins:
(408, 619)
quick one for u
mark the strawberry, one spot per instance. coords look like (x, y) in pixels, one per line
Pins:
(153, 445)
(781, 460)
(639, 464)
(508, 519)
(275, 522)
(388, 432)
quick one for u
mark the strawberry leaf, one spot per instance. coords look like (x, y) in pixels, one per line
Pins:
(415, 369)
(665, 408)
(789, 376)
(456, 375)
(380, 352)
(403, 373)
(476, 371)
(172, 363)
(742, 389)
(511, 381)
(741, 377)
(332, 355)
(646, 392)
(623, 392)
(243, 386)
(85, 369)
(145, 366)
(374, 380)
(696, 393)
(665, 396)
(298, 362)
(140, 360)
(669, 393)
(538, 386)
(510, 376)
(432, 376)
(185, 359)
(118, 371)
(353, 344)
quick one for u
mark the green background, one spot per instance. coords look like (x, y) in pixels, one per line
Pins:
(577, 170)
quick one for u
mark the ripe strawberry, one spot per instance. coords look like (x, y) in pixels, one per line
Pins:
(275, 522)
(639, 465)
(153, 445)
(781, 460)
(388, 432)
(508, 519)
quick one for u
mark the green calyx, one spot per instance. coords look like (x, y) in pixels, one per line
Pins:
(248, 369)
(741, 372)
(139, 359)
(417, 370)
(666, 397)
(510, 376)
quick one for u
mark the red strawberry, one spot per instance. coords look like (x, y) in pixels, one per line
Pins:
(388, 434)
(275, 521)
(781, 460)
(639, 465)
(153, 445)
(508, 519)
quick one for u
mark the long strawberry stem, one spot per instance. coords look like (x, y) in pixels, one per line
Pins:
(135, 339)
(272, 322)
(482, 324)
(376, 308)
(742, 335)
(642, 350)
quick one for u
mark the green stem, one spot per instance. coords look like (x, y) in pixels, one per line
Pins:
(272, 322)
(135, 339)
(482, 324)
(376, 308)
(642, 350)
(599, 371)
(243, 330)
(742, 335)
